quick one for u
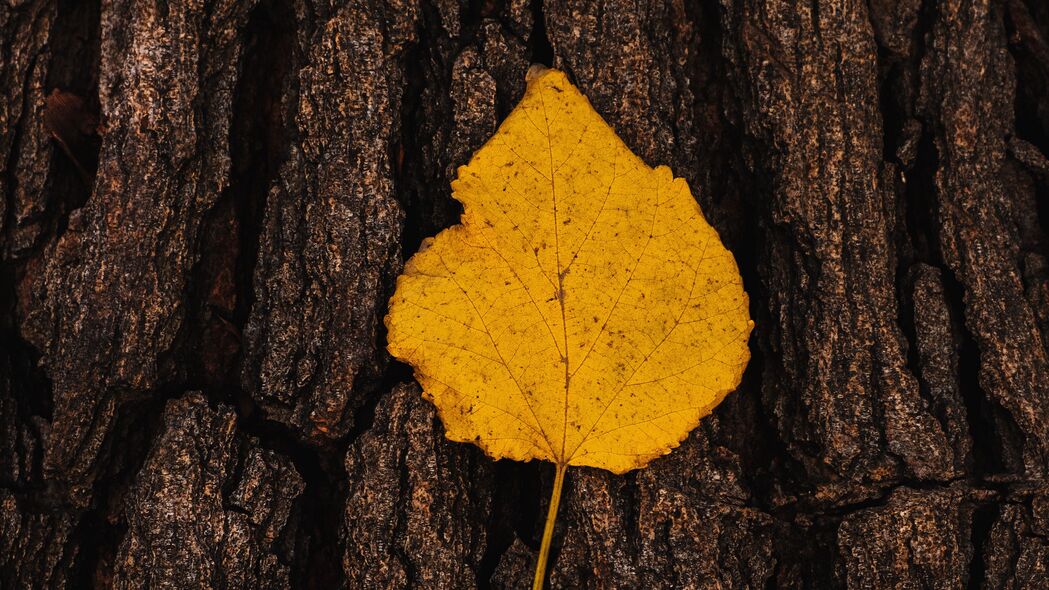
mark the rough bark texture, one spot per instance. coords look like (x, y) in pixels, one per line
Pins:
(205, 205)
(207, 509)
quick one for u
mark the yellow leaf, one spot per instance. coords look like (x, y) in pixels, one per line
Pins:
(583, 312)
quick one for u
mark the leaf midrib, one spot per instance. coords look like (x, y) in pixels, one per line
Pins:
(561, 460)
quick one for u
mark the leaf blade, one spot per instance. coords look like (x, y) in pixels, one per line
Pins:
(583, 312)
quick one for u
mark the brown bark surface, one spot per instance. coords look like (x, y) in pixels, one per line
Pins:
(204, 205)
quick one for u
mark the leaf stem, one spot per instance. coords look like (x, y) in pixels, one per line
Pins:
(548, 531)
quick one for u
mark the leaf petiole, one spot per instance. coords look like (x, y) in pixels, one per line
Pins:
(548, 530)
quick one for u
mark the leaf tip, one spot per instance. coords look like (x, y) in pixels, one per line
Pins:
(535, 72)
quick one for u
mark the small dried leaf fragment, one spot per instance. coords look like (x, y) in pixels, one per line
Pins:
(583, 312)
(74, 128)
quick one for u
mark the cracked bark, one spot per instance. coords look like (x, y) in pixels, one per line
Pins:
(205, 205)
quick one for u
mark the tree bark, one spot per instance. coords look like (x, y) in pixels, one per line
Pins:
(205, 205)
